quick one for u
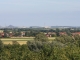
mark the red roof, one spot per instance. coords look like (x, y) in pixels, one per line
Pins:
(76, 33)
(62, 32)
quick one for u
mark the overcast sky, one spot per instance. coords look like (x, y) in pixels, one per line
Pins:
(40, 12)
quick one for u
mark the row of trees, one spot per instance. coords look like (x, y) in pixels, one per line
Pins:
(62, 48)
(32, 32)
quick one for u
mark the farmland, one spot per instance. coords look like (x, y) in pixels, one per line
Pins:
(20, 40)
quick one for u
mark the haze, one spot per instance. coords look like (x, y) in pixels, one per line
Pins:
(40, 12)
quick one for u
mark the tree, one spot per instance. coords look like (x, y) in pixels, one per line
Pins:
(57, 32)
(38, 42)
(68, 32)
(41, 37)
(1, 46)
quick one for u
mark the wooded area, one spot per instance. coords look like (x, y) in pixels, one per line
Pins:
(62, 48)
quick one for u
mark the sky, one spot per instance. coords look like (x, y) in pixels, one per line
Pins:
(40, 12)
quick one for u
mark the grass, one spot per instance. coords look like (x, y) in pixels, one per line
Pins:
(10, 42)
(20, 40)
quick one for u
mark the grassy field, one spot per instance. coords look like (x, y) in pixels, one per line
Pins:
(20, 40)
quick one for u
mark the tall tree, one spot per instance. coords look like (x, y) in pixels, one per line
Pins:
(41, 37)
(1, 46)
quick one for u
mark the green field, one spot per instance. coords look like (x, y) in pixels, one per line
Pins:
(20, 40)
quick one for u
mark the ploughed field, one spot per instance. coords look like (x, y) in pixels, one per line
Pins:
(20, 40)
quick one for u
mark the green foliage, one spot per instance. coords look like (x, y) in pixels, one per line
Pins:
(17, 34)
(1, 46)
(65, 39)
(57, 32)
(62, 48)
(41, 37)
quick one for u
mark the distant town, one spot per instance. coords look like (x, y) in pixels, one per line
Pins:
(11, 26)
(51, 31)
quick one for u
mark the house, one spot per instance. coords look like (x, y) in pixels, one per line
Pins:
(76, 33)
(11, 34)
(49, 34)
(62, 33)
(1, 33)
(22, 33)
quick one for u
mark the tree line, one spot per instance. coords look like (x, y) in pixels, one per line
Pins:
(62, 48)
(32, 32)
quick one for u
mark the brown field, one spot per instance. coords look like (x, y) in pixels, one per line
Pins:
(20, 40)
(10, 42)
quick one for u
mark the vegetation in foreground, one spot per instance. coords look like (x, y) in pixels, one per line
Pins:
(62, 48)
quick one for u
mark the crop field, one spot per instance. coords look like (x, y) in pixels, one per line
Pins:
(20, 40)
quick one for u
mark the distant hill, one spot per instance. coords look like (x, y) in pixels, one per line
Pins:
(11, 26)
